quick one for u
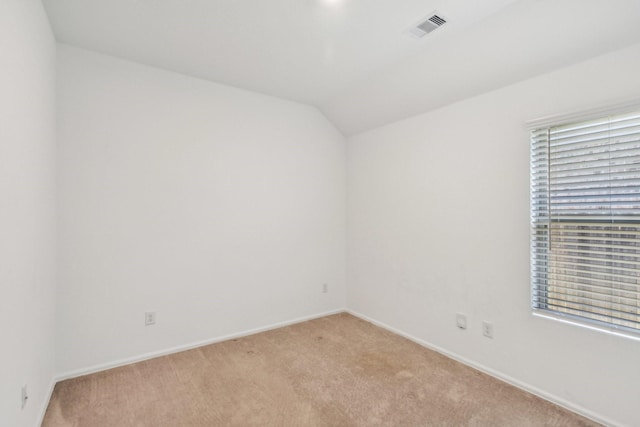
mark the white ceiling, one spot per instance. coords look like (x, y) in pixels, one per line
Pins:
(352, 58)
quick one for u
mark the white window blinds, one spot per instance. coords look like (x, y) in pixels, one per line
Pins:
(585, 216)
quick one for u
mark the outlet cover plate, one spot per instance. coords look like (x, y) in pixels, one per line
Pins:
(461, 320)
(25, 396)
(150, 318)
(487, 329)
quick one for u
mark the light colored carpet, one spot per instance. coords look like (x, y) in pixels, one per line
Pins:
(333, 371)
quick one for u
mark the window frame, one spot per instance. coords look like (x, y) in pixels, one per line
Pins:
(549, 122)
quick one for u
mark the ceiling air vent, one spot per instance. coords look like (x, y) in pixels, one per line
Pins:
(425, 27)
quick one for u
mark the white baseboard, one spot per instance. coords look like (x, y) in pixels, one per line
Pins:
(189, 346)
(502, 377)
(45, 403)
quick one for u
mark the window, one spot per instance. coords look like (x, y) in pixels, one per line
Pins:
(585, 220)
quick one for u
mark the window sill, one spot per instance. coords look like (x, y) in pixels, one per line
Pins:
(586, 325)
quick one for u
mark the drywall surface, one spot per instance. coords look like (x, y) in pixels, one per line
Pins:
(27, 210)
(219, 209)
(438, 223)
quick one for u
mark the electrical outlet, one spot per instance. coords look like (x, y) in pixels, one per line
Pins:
(487, 329)
(150, 318)
(461, 320)
(25, 396)
(325, 288)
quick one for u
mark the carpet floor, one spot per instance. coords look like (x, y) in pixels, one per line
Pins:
(334, 371)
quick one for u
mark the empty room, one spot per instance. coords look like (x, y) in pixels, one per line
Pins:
(319, 213)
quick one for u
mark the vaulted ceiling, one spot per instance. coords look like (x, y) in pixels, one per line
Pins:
(353, 59)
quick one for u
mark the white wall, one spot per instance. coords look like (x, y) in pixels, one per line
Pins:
(27, 210)
(438, 223)
(221, 209)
